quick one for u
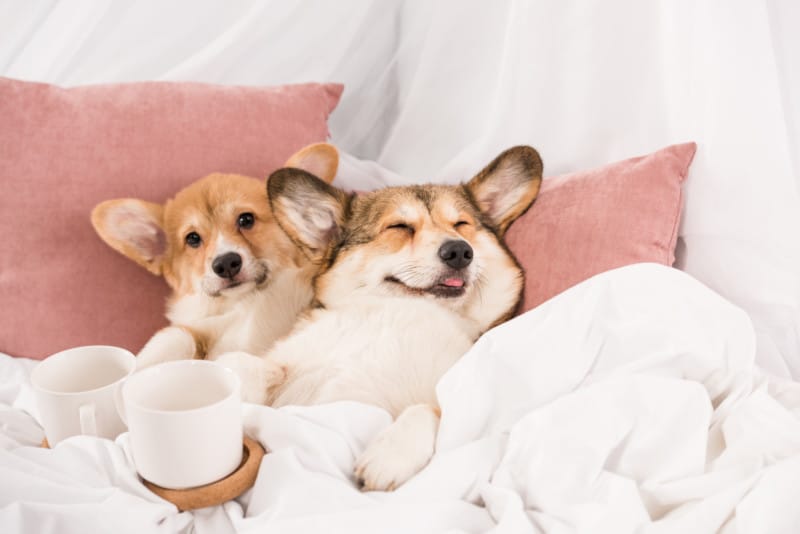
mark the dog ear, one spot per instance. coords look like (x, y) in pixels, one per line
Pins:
(133, 228)
(321, 160)
(311, 212)
(507, 186)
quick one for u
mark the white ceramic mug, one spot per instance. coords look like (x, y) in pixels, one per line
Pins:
(75, 391)
(185, 421)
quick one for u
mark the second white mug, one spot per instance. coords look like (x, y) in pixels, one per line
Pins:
(185, 422)
(75, 391)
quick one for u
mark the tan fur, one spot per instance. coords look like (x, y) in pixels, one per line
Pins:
(504, 196)
(433, 211)
(106, 220)
(228, 195)
(320, 159)
(211, 314)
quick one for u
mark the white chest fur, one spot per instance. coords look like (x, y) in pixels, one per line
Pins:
(251, 321)
(388, 351)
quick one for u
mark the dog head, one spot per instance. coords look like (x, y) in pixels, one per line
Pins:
(428, 241)
(217, 237)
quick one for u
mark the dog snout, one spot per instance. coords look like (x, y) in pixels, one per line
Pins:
(456, 253)
(227, 265)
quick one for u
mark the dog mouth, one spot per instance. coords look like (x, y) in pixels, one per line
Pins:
(447, 286)
(232, 284)
(257, 281)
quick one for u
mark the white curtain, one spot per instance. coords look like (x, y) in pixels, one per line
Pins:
(435, 89)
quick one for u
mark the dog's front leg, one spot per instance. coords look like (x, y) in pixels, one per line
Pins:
(170, 343)
(400, 451)
(257, 374)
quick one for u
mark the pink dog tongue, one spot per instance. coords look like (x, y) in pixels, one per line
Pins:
(454, 282)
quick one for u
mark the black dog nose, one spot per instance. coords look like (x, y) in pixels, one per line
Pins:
(228, 265)
(456, 254)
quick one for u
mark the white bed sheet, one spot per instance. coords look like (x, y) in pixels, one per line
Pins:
(630, 403)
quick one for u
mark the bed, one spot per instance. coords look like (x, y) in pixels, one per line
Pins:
(657, 396)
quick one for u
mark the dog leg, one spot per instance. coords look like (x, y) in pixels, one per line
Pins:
(257, 374)
(170, 343)
(400, 451)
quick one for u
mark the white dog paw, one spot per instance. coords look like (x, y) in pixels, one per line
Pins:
(168, 344)
(400, 451)
(257, 374)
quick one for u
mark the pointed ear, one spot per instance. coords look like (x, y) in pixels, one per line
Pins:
(311, 212)
(507, 186)
(321, 160)
(133, 228)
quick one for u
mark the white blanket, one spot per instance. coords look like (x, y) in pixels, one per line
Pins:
(627, 404)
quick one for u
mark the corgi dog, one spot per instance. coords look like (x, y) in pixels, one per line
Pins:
(409, 278)
(238, 281)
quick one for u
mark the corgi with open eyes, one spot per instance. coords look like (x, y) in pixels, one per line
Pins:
(409, 278)
(238, 281)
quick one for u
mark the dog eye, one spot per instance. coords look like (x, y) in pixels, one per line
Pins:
(246, 220)
(460, 223)
(401, 226)
(193, 239)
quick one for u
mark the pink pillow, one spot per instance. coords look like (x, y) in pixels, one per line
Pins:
(64, 150)
(588, 222)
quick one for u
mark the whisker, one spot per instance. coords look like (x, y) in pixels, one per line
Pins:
(480, 280)
(414, 274)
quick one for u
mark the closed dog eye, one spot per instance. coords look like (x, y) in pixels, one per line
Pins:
(401, 226)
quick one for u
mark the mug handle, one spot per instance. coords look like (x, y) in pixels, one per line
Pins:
(120, 403)
(88, 420)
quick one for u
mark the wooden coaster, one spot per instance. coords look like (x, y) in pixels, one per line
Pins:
(220, 491)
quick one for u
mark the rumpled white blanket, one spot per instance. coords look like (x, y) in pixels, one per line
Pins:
(629, 403)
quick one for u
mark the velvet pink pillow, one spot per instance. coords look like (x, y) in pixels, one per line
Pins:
(64, 150)
(589, 222)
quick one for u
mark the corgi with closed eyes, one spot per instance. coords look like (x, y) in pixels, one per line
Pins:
(409, 278)
(238, 281)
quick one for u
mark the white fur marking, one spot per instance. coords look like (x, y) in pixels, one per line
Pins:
(170, 343)
(256, 374)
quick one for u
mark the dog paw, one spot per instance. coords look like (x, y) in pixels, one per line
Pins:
(168, 344)
(400, 451)
(256, 374)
